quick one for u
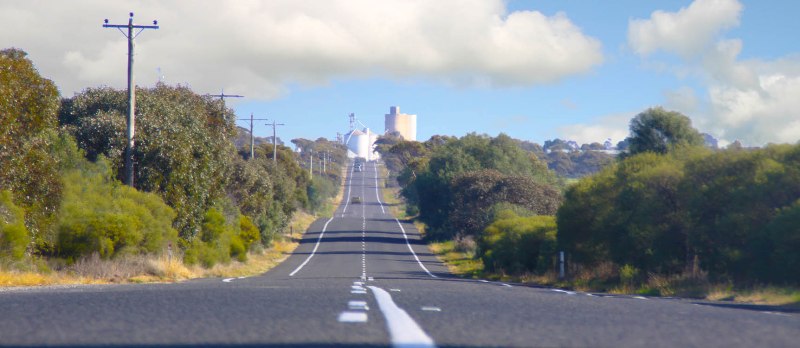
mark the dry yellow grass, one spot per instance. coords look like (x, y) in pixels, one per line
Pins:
(767, 295)
(13, 278)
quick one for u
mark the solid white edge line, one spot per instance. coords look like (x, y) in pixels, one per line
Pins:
(349, 187)
(412, 250)
(403, 330)
(312, 251)
(227, 280)
(377, 194)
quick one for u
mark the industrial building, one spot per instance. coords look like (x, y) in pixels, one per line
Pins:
(361, 142)
(403, 124)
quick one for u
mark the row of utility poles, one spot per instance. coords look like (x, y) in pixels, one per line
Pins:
(324, 157)
(131, 34)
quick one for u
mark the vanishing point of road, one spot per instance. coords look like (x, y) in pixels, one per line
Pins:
(364, 278)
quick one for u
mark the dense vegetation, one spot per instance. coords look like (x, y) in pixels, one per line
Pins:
(454, 182)
(60, 161)
(667, 207)
(732, 213)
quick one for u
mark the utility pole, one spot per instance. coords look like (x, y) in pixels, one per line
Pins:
(275, 140)
(131, 89)
(252, 139)
(222, 96)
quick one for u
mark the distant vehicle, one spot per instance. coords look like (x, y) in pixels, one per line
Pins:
(355, 200)
(358, 167)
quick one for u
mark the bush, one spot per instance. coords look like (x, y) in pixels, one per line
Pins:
(516, 244)
(13, 234)
(99, 214)
(220, 240)
(248, 232)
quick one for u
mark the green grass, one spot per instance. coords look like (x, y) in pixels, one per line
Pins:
(461, 263)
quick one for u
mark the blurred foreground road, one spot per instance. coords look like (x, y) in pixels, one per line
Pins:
(363, 278)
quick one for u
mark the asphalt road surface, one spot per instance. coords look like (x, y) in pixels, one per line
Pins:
(363, 278)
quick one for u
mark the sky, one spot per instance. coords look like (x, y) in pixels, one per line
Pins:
(535, 70)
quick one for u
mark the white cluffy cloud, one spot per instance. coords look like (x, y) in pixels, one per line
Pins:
(257, 47)
(687, 32)
(754, 101)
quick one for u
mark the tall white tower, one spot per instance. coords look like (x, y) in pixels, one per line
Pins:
(404, 124)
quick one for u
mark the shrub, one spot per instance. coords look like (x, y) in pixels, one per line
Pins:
(13, 234)
(518, 244)
(248, 232)
(99, 214)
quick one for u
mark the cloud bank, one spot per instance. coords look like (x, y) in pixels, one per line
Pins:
(754, 101)
(256, 48)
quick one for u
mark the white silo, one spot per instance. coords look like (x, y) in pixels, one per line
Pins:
(404, 124)
(373, 155)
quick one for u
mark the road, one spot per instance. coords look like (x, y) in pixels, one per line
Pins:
(363, 278)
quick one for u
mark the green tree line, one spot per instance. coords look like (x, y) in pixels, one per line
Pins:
(61, 161)
(667, 206)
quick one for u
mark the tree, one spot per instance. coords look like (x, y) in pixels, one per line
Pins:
(658, 130)
(28, 117)
(432, 189)
(184, 144)
(475, 193)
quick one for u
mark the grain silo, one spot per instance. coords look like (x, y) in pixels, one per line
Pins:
(362, 143)
(403, 124)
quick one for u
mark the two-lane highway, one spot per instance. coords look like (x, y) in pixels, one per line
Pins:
(363, 278)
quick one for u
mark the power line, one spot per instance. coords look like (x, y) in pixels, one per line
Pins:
(131, 89)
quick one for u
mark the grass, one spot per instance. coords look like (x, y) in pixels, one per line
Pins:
(391, 197)
(766, 295)
(459, 262)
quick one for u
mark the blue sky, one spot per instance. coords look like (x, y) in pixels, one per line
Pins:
(535, 70)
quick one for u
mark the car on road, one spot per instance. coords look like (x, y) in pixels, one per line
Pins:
(355, 200)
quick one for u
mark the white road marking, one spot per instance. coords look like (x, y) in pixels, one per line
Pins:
(349, 187)
(412, 250)
(431, 309)
(358, 291)
(640, 298)
(506, 285)
(371, 279)
(357, 287)
(564, 291)
(394, 290)
(358, 305)
(352, 317)
(377, 194)
(312, 251)
(242, 277)
(228, 280)
(403, 330)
